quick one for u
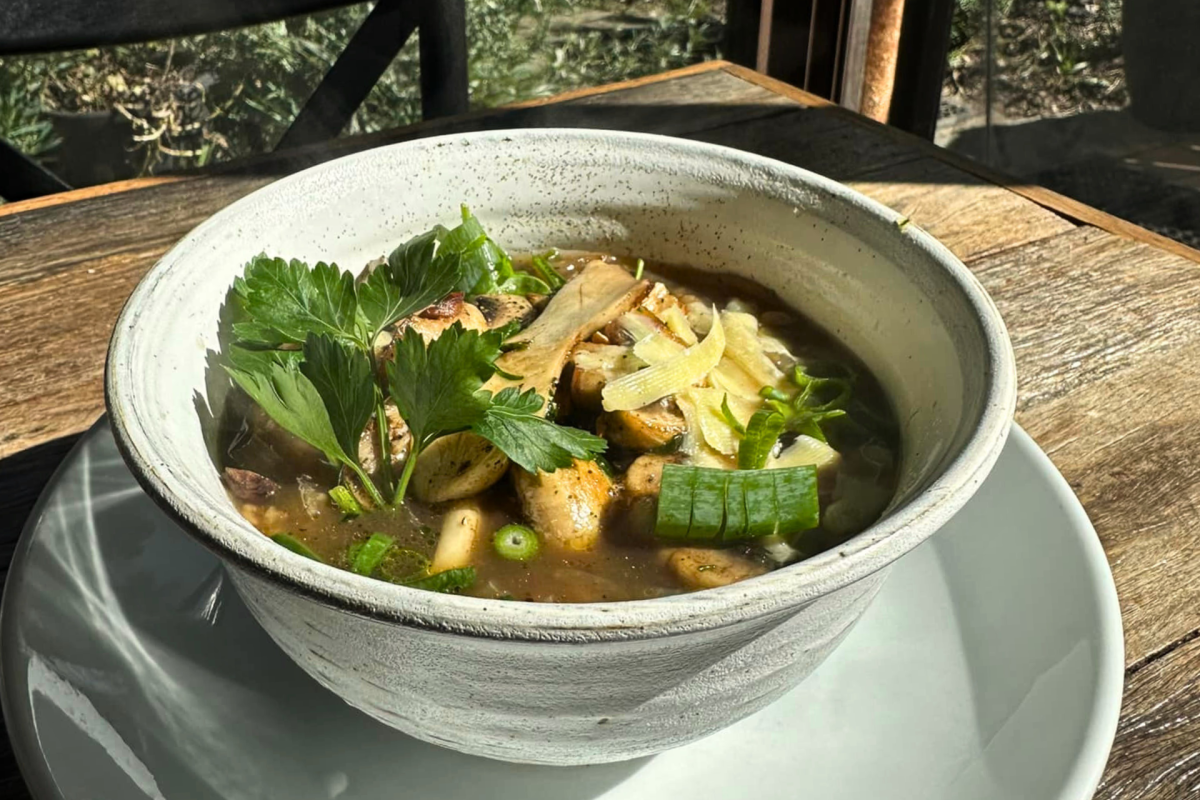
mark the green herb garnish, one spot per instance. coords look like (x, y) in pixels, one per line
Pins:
(437, 388)
(716, 506)
(730, 419)
(370, 553)
(548, 273)
(296, 546)
(762, 432)
(451, 580)
(346, 502)
(303, 349)
(516, 543)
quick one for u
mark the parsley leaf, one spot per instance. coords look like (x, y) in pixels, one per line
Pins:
(438, 387)
(416, 275)
(257, 359)
(533, 442)
(283, 301)
(486, 268)
(290, 399)
(341, 374)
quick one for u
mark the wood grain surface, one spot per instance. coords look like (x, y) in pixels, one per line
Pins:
(1103, 318)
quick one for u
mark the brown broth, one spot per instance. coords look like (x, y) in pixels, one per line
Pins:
(626, 564)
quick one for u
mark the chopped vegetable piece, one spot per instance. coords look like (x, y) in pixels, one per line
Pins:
(730, 419)
(369, 556)
(735, 507)
(657, 348)
(296, 546)
(750, 504)
(675, 501)
(805, 451)
(741, 333)
(677, 322)
(761, 519)
(762, 433)
(708, 505)
(516, 543)
(796, 498)
(400, 565)
(449, 581)
(547, 272)
(641, 267)
(345, 502)
(668, 377)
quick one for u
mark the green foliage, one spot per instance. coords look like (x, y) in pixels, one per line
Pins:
(226, 95)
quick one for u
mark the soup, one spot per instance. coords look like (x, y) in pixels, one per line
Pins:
(558, 427)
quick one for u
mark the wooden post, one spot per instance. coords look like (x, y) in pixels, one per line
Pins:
(883, 45)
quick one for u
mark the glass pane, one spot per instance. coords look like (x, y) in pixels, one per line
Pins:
(1096, 99)
(104, 114)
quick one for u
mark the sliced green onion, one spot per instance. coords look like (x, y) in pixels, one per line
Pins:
(516, 543)
(641, 267)
(346, 502)
(296, 546)
(730, 419)
(401, 565)
(761, 434)
(760, 505)
(796, 499)
(713, 506)
(548, 273)
(734, 528)
(451, 580)
(771, 393)
(675, 502)
(367, 557)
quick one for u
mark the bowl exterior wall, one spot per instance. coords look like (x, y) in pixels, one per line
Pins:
(555, 703)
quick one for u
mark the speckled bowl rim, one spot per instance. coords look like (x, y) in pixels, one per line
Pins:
(896, 533)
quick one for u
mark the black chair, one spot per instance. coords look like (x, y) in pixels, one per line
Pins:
(32, 26)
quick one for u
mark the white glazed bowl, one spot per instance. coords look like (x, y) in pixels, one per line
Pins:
(587, 683)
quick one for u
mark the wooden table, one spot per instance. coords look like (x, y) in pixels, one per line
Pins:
(1104, 317)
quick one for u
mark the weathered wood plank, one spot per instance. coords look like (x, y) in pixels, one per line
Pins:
(816, 139)
(966, 213)
(1088, 304)
(1155, 755)
(1065, 206)
(1108, 358)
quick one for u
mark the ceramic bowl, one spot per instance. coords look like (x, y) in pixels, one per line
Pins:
(586, 683)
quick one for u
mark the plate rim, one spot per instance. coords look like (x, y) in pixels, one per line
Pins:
(1080, 782)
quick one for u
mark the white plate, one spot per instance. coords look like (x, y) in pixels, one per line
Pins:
(990, 666)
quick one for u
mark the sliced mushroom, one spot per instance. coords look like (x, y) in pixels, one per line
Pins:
(448, 307)
(642, 429)
(249, 487)
(501, 309)
(468, 316)
(461, 528)
(641, 485)
(704, 568)
(460, 465)
(566, 506)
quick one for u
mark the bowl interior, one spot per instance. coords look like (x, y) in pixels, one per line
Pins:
(892, 294)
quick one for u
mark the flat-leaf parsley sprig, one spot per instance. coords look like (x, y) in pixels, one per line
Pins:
(303, 349)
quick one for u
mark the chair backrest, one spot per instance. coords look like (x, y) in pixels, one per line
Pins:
(33, 26)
